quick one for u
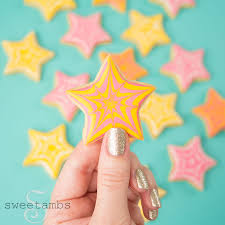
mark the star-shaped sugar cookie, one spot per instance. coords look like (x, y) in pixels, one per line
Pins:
(50, 7)
(186, 67)
(49, 150)
(111, 101)
(119, 5)
(146, 32)
(158, 112)
(172, 7)
(85, 33)
(126, 63)
(212, 112)
(190, 163)
(26, 56)
(58, 97)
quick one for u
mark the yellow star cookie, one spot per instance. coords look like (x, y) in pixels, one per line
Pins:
(119, 5)
(146, 31)
(50, 7)
(49, 150)
(158, 113)
(26, 56)
(162, 192)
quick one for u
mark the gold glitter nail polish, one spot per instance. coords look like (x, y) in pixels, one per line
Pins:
(142, 181)
(153, 214)
(116, 141)
(154, 196)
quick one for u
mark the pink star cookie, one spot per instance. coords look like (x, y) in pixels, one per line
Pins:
(186, 67)
(190, 163)
(172, 7)
(85, 33)
(58, 96)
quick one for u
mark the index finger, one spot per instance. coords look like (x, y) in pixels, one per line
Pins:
(77, 172)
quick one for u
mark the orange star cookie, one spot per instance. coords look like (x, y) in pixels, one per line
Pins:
(126, 63)
(50, 7)
(119, 5)
(26, 56)
(49, 150)
(146, 31)
(158, 113)
(212, 112)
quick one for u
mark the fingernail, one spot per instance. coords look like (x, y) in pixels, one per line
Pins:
(116, 141)
(154, 196)
(142, 181)
(153, 214)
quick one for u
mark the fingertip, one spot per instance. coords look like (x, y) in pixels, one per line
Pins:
(95, 146)
(138, 181)
(116, 143)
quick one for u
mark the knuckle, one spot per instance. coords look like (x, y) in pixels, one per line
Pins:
(114, 177)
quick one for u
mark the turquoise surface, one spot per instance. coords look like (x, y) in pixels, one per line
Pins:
(21, 107)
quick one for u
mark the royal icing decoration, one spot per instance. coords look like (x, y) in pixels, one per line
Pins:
(158, 113)
(172, 7)
(50, 7)
(212, 112)
(190, 163)
(26, 56)
(58, 97)
(146, 31)
(186, 67)
(49, 150)
(119, 5)
(85, 33)
(111, 101)
(127, 64)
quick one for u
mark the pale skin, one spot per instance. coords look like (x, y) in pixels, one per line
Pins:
(101, 188)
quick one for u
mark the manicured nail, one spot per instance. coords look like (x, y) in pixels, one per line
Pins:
(154, 196)
(153, 214)
(142, 181)
(116, 141)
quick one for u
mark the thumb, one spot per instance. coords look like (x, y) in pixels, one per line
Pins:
(113, 177)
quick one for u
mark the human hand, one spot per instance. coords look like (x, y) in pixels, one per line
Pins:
(103, 183)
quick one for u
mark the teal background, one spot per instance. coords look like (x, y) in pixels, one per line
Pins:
(21, 107)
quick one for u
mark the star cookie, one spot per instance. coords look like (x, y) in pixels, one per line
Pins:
(111, 101)
(146, 32)
(158, 113)
(186, 67)
(172, 7)
(50, 7)
(212, 112)
(119, 5)
(126, 63)
(49, 150)
(85, 33)
(58, 97)
(190, 163)
(26, 56)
